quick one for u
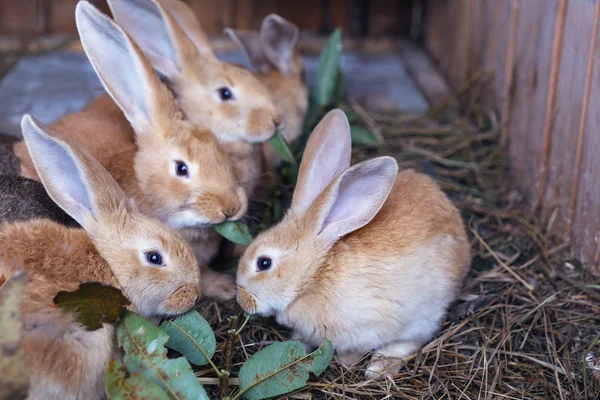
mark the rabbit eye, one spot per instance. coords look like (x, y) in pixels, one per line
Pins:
(263, 263)
(225, 94)
(154, 258)
(181, 168)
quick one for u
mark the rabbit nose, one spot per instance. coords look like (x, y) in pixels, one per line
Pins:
(235, 205)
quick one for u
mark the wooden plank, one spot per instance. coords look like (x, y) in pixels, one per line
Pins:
(263, 8)
(435, 89)
(585, 209)
(579, 25)
(23, 16)
(383, 17)
(243, 13)
(538, 95)
(524, 82)
(501, 36)
(475, 39)
(214, 16)
(296, 13)
(339, 14)
(62, 16)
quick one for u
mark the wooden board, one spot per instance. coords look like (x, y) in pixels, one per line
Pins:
(570, 89)
(585, 209)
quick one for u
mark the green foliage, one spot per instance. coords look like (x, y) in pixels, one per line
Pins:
(328, 70)
(92, 304)
(14, 371)
(146, 355)
(191, 335)
(235, 231)
(134, 387)
(282, 148)
(362, 136)
(282, 368)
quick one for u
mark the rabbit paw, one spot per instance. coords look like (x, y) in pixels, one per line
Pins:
(220, 287)
(388, 360)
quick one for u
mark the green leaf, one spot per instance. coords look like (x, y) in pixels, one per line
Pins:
(282, 148)
(134, 387)
(146, 354)
(282, 368)
(328, 70)
(362, 136)
(191, 335)
(236, 232)
(14, 371)
(92, 304)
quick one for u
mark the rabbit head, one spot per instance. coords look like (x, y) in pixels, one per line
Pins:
(271, 53)
(330, 201)
(219, 96)
(152, 263)
(182, 171)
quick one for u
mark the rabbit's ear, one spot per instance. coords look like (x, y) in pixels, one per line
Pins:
(125, 73)
(279, 38)
(72, 178)
(354, 198)
(189, 24)
(161, 39)
(249, 42)
(326, 156)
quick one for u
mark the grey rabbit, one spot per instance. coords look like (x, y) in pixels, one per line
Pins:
(9, 164)
(23, 199)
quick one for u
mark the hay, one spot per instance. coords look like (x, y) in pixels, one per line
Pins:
(527, 323)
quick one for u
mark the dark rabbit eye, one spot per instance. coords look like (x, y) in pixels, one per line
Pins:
(154, 258)
(225, 94)
(181, 169)
(263, 263)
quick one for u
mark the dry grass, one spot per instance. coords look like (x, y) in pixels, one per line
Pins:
(527, 323)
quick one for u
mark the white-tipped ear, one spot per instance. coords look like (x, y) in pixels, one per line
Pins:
(189, 24)
(326, 156)
(357, 197)
(72, 178)
(158, 35)
(279, 38)
(125, 75)
(249, 42)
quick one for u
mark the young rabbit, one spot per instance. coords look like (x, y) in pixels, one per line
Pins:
(23, 199)
(369, 257)
(119, 246)
(219, 96)
(175, 172)
(9, 164)
(273, 55)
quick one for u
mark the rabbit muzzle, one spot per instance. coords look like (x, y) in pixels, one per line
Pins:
(183, 299)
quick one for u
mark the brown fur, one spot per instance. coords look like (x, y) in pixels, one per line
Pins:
(291, 96)
(250, 117)
(395, 272)
(67, 361)
(142, 160)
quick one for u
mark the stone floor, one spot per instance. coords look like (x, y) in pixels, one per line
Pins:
(52, 84)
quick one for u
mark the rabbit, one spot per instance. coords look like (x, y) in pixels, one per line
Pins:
(119, 246)
(23, 199)
(9, 164)
(272, 54)
(367, 256)
(222, 97)
(174, 171)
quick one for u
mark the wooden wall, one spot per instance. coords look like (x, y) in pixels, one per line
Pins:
(357, 17)
(546, 58)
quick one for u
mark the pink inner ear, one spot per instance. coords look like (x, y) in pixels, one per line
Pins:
(354, 200)
(362, 191)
